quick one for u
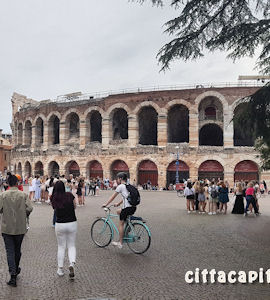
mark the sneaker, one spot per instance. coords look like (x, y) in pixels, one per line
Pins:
(38, 202)
(199, 212)
(188, 211)
(60, 272)
(203, 212)
(210, 213)
(71, 271)
(245, 214)
(214, 213)
(117, 244)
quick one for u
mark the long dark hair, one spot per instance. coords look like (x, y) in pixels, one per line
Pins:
(57, 198)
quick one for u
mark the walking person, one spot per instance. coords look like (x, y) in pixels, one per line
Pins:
(79, 193)
(65, 227)
(15, 207)
(37, 189)
(238, 207)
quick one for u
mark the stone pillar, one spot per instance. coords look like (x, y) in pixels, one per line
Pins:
(62, 135)
(229, 176)
(132, 170)
(193, 172)
(23, 136)
(83, 170)
(228, 130)
(105, 132)
(193, 129)
(33, 143)
(45, 136)
(162, 176)
(133, 129)
(162, 130)
(83, 133)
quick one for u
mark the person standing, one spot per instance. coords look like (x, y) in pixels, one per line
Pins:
(189, 193)
(15, 207)
(37, 189)
(238, 207)
(65, 227)
(223, 197)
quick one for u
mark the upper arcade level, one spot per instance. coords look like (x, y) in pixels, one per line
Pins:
(200, 117)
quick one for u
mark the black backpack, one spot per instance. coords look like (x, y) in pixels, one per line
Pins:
(214, 193)
(134, 197)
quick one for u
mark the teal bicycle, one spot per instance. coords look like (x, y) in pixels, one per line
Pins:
(136, 233)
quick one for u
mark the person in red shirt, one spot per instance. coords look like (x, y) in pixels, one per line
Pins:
(250, 197)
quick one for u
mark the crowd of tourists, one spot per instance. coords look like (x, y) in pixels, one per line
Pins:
(212, 197)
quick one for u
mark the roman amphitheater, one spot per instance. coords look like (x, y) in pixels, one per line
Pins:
(140, 133)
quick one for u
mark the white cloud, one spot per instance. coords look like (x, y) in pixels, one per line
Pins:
(50, 48)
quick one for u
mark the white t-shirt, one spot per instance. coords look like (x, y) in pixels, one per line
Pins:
(121, 189)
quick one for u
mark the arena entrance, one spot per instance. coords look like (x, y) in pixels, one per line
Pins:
(246, 170)
(27, 169)
(53, 169)
(119, 166)
(211, 169)
(95, 169)
(183, 171)
(39, 169)
(147, 171)
(72, 168)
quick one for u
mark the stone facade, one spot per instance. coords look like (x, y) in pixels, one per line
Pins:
(136, 132)
(5, 152)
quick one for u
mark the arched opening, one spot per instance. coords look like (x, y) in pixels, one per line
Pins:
(15, 169)
(95, 127)
(147, 172)
(119, 166)
(95, 169)
(211, 169)
(39, 169)
(183, 172)
(28, 133)
(54, 130)
(72, 126)
(19, 169)
(178, 124)
(72, 168)
(148, 118)
(53, 169)
(27, 169)
(39, 132)
(20, 134)
(246, 170)
(242, 135)
(211, 135)
(210, 113)
(120, 124)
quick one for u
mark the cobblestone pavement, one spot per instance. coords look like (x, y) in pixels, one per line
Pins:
(180, 242)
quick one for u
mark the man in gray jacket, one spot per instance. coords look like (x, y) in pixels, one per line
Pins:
(15, 207)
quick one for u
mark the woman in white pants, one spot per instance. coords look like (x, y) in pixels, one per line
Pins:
(65, 227)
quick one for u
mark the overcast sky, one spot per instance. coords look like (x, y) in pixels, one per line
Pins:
(53, 47)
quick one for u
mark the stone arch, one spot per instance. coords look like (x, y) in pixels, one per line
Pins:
(27, 169)
(115, 107)
(94, 169)
(28, 133)
(148, 121)
(54, 129)
(211, 169)
(94, 126)
(177, 102)
(178, 124)
(68, 112)
(183, 171)
(39, 168)
(246, 170)
(72, 127)
(241, 135)
(214, 94)
(53, 169)
(118, 124)
(39, 131)
(19, 169)
(148, 103)
(20, 133)
(211, 135)
(72, 168)
(117, 166)
(147, 173)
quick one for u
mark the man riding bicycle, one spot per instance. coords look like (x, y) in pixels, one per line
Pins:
(127, 208)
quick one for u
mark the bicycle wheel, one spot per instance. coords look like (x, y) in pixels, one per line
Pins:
(140, 239)
(101, 233)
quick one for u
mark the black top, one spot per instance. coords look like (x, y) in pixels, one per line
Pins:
(67, 213)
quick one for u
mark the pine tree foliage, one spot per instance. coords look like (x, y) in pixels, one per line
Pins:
(239, 27)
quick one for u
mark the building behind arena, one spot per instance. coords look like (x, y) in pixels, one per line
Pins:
(136, 132)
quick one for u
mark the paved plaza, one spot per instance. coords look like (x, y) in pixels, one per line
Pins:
(180, 242)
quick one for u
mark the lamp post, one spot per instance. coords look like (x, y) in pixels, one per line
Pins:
(177, 166)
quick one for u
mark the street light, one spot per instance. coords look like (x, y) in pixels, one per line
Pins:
(177, 166)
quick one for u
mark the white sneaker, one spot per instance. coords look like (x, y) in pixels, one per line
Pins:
(210, 213)
(60, 272)
(188, 211)
(117, 244)
(214, 213)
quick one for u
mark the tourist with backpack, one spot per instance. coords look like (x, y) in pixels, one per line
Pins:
(213, 198)
(130, 199)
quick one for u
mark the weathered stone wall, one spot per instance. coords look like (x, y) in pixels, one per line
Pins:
(82, 151)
